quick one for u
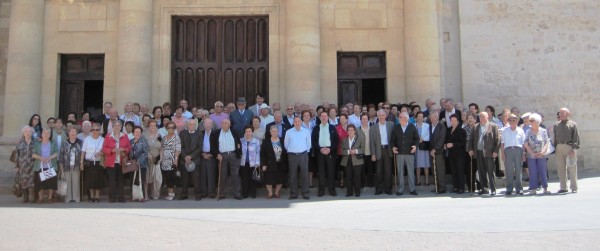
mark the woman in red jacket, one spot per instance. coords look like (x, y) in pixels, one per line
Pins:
(116, 146)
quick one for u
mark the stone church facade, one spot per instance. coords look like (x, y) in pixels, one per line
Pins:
(73, 54)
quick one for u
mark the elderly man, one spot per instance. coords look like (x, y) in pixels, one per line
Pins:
(289, 116)
(107, 125)
(404, 142)
(298, 143)
(129, 115)
(191, 147)
(230, 108)
(449, 109)
(379, 139)
(325, 141)
(225, 144)
(437, 140)
(276, 106)
(105, 115)
(240, 117)
(486, 144)
(208, 162)
(255, 109)
(355, 117)
(281, 126)
(219, 115)
(186, 113)
(265, 117)
(512, 140)
(427, 111)
(566, 141)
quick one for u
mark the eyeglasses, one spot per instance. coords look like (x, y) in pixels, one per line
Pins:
(219, 106)
(290, 108)
(386, 107)
(171, 127)
(95, 130)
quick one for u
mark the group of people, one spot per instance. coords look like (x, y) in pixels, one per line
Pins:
(239, 149)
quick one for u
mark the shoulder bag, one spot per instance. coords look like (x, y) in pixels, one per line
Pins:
(257, 174)
(136, 190)
(13, 156)
(62, 184)
(17, 189)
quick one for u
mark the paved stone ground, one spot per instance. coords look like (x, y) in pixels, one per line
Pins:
(424, 222)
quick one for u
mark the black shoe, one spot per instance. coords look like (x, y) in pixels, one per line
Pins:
(508, 193)
(311, 186)
(378, 192)
(483, 191)
(399, 194)
(520, 193)
(460, 192)
(212, 196)
(389, 193)
(122, 200)
(238, 198)
(111, 200)
(441, 192)
(562, 191)
(493, 193)
(306, 197)
(198, 198)
(349, 195)
(293, 197)
(221, 197)
(357, 195)
(333, 193)
(183, 197)
(97, 200)
(320, 193)
(414, 193)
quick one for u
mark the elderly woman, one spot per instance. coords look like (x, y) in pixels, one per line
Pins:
(71, 163)
(169, 156)
(86, 128)
(139, 152)
(273, 158)
(145, 119)
(249, 161)
(537, 144)
(179, 119)
(45, 153)
(116, 147)
(422, 154)
(157, 114)
(456, 138)
(259, 132)
(25, 163)
(91, 154)
(353, 149)
(368, 176)
(154, 174)
(469, 127)
(35, 122)
(342, 130)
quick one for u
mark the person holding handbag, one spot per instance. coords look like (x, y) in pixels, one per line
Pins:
(139, 152)
(25, 163)
(71, 164)
(116, 147)
(249, 161)
(353, 151)
(91, 155)
(422, 155)
(456, 142)
(273, 158)
(154, 176)
(45, 153)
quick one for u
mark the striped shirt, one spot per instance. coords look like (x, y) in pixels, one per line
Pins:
(226, 141)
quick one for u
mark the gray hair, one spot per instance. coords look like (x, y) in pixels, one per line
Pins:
(381, 111)
(536, 117)
(403, 114)
(87, 122)
(27, 128)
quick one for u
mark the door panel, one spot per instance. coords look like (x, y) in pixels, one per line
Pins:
(75, 70)
(71, 98)
(219, 58)
(349, 91)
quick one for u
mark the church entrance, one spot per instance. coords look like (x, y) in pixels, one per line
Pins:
(361, 77)
(81, 84)
(219, 58)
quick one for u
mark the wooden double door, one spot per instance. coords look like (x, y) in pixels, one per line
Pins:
(219, 58)
(361, 77)
(81, 84)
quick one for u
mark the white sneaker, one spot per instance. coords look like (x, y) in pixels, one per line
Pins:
(171, 196)
(532, 192)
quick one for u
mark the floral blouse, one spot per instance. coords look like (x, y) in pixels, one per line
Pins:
(536, 141)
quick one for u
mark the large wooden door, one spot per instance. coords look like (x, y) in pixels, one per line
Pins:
(355, 67)
(75, 70)
(219, 58)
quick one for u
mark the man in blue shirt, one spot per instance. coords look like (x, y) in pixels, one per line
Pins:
(297, 142)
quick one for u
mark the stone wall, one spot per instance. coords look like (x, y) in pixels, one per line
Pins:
(536, 55)
(4, 26)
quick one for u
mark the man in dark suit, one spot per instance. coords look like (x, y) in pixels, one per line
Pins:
(191, 146)
(288, 119)
(281, 126)
(107, 124)
(447, 110)
(437, 140)
(485, 142)
(225, 144)
(255, 109)
(208, 161)
(379, 137)
(325, 144)
(105, 115)
(240, 117)
(404, 142)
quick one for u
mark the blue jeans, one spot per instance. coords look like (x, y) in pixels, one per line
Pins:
(538, 168)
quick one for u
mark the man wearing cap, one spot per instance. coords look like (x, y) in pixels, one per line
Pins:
(566, 141)
(240, 117)
(255, 109)
(191, 147)
(265, 117)
(512, 141)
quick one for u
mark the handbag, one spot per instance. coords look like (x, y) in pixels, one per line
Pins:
(62, 184)
(424, 146)
(136, 190)
(257, 174)
(13, 156)
(17, 189)
(47, 172)
(130, 166)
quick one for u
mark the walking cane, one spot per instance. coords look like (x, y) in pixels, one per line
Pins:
(219, 183)
(471, 174)
(396, 173)
(435, 176)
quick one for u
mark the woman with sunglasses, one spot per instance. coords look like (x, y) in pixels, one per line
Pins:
(169, 155)
(91, 154)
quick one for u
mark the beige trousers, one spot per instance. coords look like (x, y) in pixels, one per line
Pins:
(73, 192)
(562, 152)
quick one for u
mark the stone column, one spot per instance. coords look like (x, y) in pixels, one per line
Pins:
(303, 52)
(134, 53)
(24, 64)
(422, 50)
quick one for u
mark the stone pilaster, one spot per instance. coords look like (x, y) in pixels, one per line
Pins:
(303, 52)
(134, 52)
(24, 64)
(422, 50)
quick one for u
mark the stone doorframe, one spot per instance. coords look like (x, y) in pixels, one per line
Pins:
(161, 63)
